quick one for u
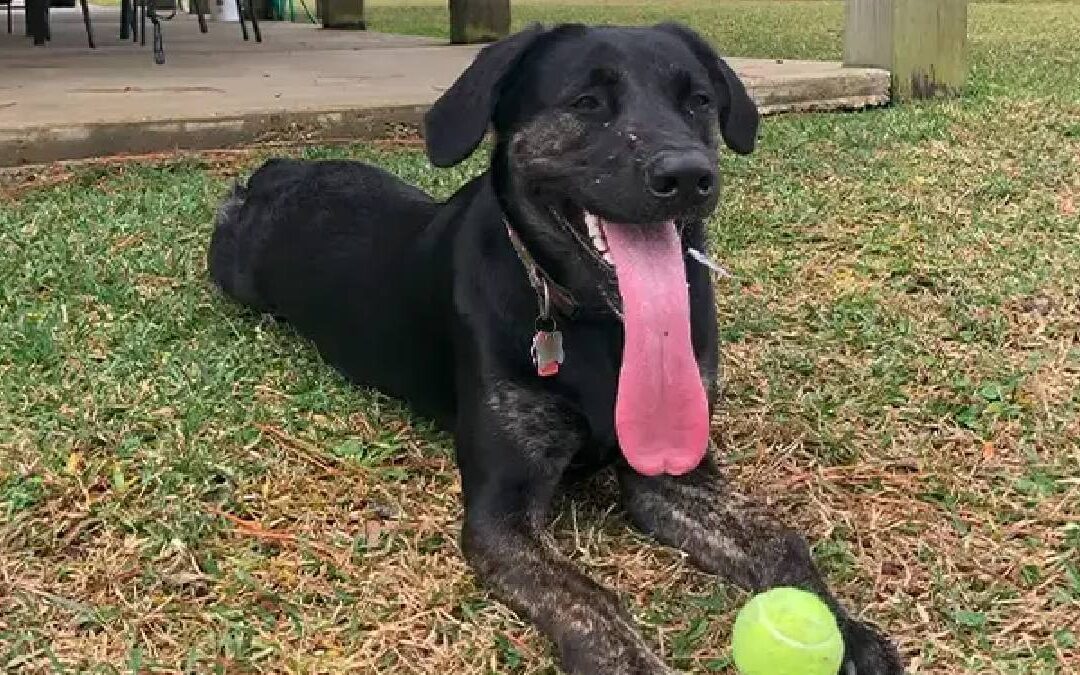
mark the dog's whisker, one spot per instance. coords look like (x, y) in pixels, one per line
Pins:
(703, 259)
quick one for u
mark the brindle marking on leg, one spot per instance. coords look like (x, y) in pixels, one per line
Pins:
(534, 422)
(723, 532)
(719, 529)
(516, 557)
(731, 535)
(591, 630)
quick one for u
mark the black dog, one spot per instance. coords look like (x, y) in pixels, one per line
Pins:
(551, 313)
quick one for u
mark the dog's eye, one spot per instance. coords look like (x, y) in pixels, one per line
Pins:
(699, 100)
(586, 103)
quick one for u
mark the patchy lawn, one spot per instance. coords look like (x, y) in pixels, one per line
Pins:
(185, 487)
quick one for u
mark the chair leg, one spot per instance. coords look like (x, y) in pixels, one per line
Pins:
(86, 22)
(243, 26)
(37, 20)
(159, 41)
(125, 24)
(199, 12)
(142, 22)
(254, 21)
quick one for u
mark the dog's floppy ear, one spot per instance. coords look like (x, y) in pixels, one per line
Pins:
(739, 117)
(457, 122)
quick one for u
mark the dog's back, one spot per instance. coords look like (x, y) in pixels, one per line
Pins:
(336, 248)
(240, 228)
(291, 207)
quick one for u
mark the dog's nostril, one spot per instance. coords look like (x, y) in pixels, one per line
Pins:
(665, 186)
(685, 177)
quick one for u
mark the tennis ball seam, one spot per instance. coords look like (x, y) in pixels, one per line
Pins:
(763, 616)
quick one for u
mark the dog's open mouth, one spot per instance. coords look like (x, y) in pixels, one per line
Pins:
(661, 410)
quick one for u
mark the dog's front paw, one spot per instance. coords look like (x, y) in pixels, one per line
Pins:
(868, 652)
(611, 656)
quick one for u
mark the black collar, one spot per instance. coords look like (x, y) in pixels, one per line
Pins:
(549, 294)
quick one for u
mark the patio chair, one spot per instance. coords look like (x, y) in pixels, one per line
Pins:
(251, 15)
(44, 33)
(135, 13)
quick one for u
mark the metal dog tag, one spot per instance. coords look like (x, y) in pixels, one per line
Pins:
(547, 352)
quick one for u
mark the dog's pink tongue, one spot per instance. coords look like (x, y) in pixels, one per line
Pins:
(661, 413)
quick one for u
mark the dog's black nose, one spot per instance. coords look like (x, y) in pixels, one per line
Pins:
(688, 178)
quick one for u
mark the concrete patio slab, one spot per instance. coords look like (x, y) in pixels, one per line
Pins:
(65, 101)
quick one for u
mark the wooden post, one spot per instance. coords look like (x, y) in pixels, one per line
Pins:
(923, 43)
(479, 20)
(346, 14)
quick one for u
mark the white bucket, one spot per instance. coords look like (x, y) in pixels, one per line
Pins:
(225, 11)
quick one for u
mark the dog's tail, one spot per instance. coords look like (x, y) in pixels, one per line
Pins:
(230, 250)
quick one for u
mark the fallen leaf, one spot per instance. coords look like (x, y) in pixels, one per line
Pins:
(1067, 205)
(74, 464)
(373, 529)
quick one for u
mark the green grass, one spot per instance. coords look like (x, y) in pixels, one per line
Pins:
(186, 486)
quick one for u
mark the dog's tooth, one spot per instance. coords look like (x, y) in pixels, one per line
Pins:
(606, 255)
(599, 244)
(592, 223)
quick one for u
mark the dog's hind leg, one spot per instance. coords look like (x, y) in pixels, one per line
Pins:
(728, 534)
(228, 258)
(512, 453)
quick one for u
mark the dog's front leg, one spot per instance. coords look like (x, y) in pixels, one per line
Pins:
(512, 451)
(591, 631)
(729, 534)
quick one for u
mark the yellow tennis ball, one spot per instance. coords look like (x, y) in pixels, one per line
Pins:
(786, 631)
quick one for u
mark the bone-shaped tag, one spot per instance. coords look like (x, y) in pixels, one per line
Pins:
(547, 352)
